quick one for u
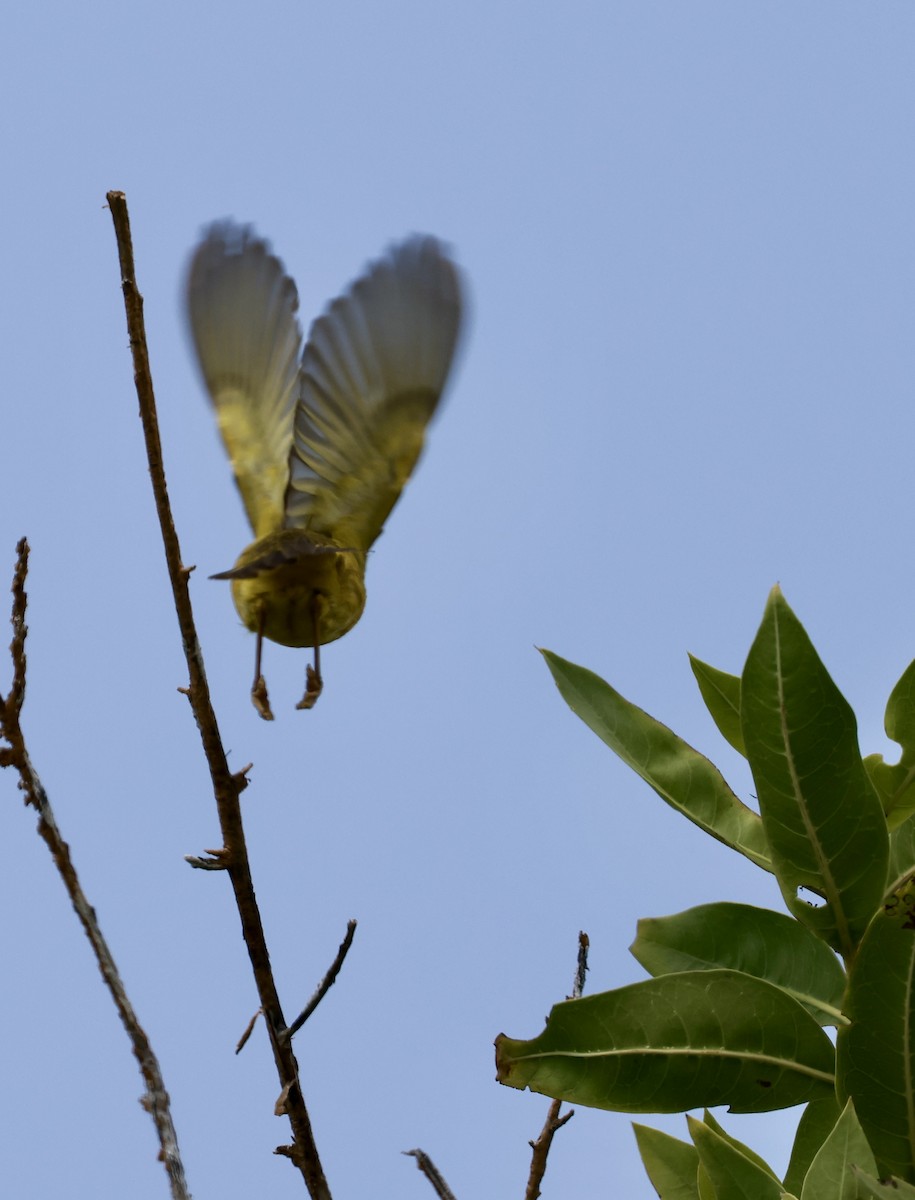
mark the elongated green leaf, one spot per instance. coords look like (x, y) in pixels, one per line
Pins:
(813, 1129)
(766, 944)
(701, 1038)
(823, 821)
(721, 693)
(884, 1189)
(709, 1120)
(732, 1174)
(895, 783)
(680, 775)
(876, 1052)
(830, 1173)
(670, 1164)
(706, 1187)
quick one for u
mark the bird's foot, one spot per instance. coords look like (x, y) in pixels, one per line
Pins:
(314, 685)
(260, 699)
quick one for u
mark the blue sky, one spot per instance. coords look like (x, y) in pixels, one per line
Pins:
(688, 237)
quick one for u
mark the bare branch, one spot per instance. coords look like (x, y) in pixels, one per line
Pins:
(226, 786)
(432, 1173)
(555, 1122)
(326, 983)
(155, 1100)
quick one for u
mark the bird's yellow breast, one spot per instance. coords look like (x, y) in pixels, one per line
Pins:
(277, 578)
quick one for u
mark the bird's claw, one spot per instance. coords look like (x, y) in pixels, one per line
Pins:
(260, 700)
(314, 685)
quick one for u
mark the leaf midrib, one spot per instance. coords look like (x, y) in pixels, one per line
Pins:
(833, 895)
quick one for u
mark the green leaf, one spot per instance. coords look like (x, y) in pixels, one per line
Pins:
(765, 944)
(716, 1127)
(732, 1174)
(876, 1052)
(721, 693)
(830, 1173)
(701, 1038)
(823, 820)
(887, 1189)
(670, 1164)
(894, 782)
(813, 1129)
(705, 1185)
(680, 775)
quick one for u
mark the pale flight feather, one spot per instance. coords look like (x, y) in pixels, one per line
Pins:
(372, 373)
(242, 308)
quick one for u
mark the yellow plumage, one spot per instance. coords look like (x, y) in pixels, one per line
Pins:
(322, 442)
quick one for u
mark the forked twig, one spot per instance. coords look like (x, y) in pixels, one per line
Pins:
(541, 1148)
(226, 786)
(330, 978)
(555, 1122)
(156, 1100)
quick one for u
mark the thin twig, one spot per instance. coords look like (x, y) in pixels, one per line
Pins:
(326, 983)
(20, 629)
(432, 1173)
(249, 1029)
(226, 786)
(555, 1122)
(155, 1101)
(584, 945)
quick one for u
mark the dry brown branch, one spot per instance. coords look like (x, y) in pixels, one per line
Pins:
(432, 1173)
(555, 1122)
(330, 978)
(226, 785)
(155, 1100)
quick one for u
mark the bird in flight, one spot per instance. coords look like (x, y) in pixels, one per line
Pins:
(321, 439)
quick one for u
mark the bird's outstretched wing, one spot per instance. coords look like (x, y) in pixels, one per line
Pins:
(373, 370)
(242, 306)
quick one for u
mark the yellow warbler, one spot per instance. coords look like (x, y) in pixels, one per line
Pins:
(321, 440)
